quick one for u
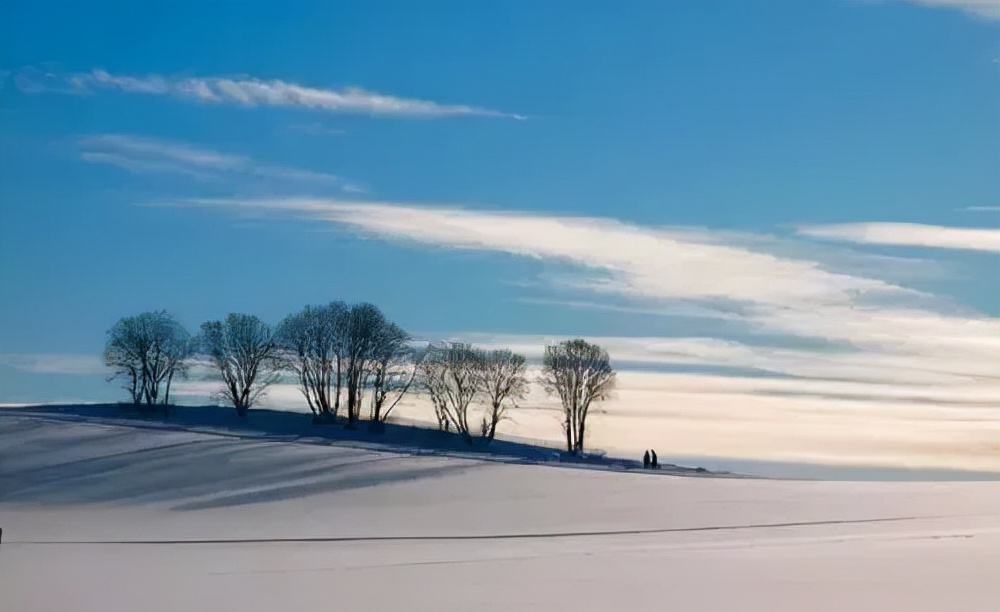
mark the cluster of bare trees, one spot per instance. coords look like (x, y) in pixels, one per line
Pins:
(457, 375)
(351, 356)
(338, 350)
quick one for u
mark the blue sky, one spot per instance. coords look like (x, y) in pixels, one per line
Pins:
(699, 184)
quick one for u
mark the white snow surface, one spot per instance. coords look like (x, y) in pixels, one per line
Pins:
(109, 518)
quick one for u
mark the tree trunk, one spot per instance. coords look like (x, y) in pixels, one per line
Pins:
(327, 381)
(352, 399)
(136, 392)
(574, 415)
(336, 400)
(493, 430)
(166, 394)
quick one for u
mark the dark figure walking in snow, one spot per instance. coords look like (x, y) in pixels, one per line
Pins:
(653, 462)
(645, 461)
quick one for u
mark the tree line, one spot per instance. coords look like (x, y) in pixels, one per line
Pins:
(352, 363)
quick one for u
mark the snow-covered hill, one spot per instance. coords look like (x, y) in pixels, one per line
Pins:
(101, 517)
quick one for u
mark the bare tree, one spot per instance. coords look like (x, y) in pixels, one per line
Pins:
(579, 373)
(244, 350)
(123, 352)
(336, 322)
(393, 369)
(313, 342)
(363, 325)
(432, 372)
(147, 350)
(449, 373)
(502, 381)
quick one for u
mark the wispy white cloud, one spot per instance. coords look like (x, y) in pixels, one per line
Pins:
(54, 363)
(672, 310)
(987, 9)
(632, 260)
(993, 209)
(248, 91)
(34, 80)
(140, 155)
(353, 188)
(315, 129)
(909, 234)
(830, 256)
(174, 151)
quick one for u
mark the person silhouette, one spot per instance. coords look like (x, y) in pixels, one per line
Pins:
(645, 461)
(653, 462)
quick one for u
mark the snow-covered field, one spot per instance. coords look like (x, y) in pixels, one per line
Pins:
(101, 517)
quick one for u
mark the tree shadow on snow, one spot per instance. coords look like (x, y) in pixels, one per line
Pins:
(43, 463)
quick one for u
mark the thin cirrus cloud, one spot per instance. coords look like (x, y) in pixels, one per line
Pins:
(909, 234)
(54, 363)
(986, 9)
(315, 129)
(867, 329)
(142, 155)
(249, 91)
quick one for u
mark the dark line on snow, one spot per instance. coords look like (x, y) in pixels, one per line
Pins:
(502, 536)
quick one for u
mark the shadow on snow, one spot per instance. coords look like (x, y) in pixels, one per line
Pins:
(40, 463)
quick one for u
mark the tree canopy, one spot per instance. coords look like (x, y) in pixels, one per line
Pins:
(147, 351)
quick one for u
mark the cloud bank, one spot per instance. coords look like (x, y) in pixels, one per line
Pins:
(249, 91)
